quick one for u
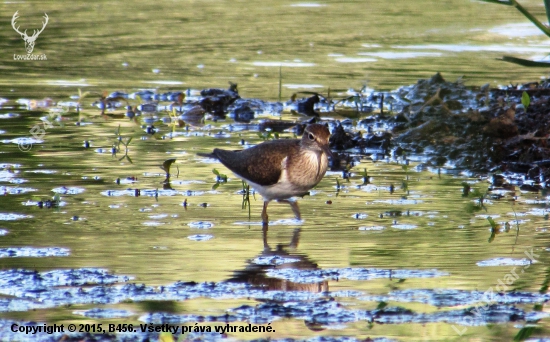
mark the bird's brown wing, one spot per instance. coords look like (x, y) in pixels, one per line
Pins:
(260, 164)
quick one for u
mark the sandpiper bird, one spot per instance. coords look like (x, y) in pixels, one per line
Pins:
(283, 168)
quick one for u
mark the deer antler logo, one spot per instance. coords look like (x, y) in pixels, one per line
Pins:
(29, 41)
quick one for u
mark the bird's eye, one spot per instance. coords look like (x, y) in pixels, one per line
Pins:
(311, 136)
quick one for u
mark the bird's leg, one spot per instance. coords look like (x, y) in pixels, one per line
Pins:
(264, 213)
(295, 210)
(294, 206)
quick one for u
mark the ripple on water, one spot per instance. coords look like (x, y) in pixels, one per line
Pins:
(142, 192)
(9, 190)
(315, 276)
(29, 290)
(281, 222)
(13, 217)
(539, 211)
(506, 48)
(307, 4)
(201, 224)
(158, 216)
(9, 116)
(33, 252)
(331, 313)
(302, 86)
(274, 260)
(48, 172)
(286, 222)
(99, 313)
(372, 188)
(248, 223)
(6, 176)
(186, 182)
(9, 165)
(355, 59)
(200, 237)
(68, 190)
(371, 228)
(284, 64)
(399, 201)
(127, 180)
(23, 141)
(485, 216)
(152, 223)
(400, 55)
(403, 226)
(30, 203)
(517, 30)
(21, 280)
(450, 297)
(505, 262)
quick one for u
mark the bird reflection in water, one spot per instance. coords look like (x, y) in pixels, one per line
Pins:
(282, 257)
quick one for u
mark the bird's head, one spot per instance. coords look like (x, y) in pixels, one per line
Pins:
(316, 138)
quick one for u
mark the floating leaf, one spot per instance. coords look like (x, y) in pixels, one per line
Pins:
(525, 100)
(524, 333)
(381, 305)
(494, 228)
(81, 96)
(220, 177)
(492, 223)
